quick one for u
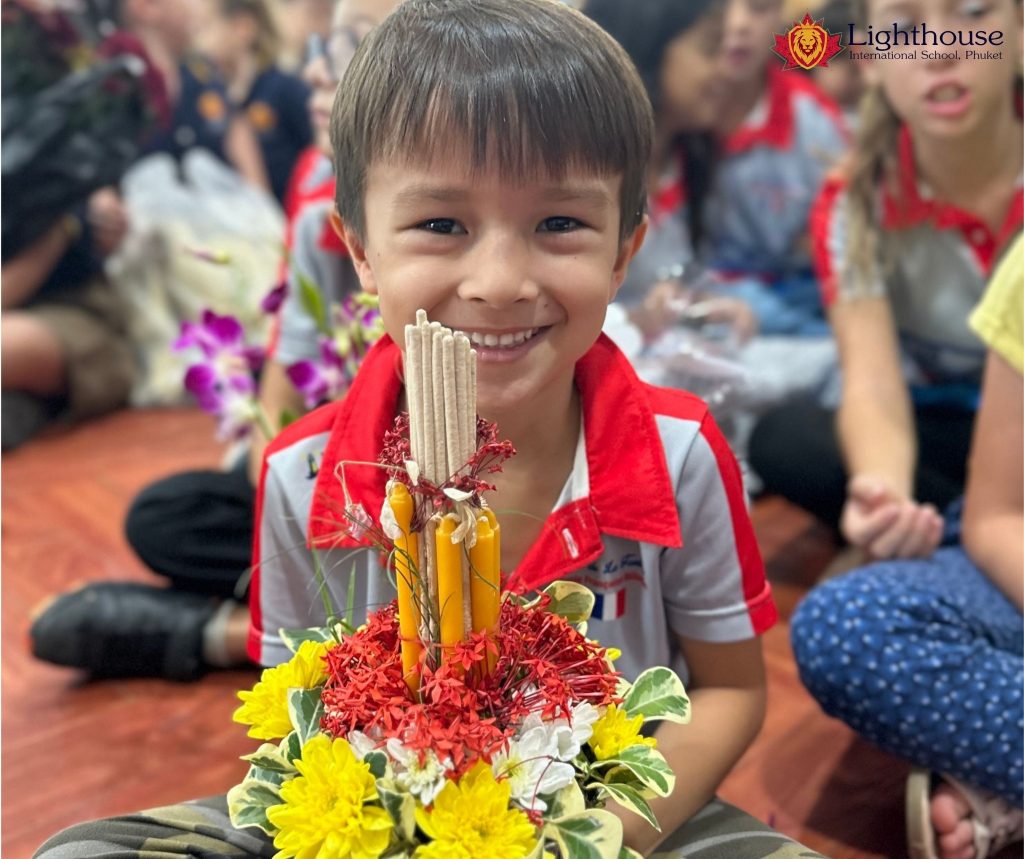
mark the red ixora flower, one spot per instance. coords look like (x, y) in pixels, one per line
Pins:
(488, 459)
(545, 666)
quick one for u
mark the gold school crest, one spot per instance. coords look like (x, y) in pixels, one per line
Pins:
(807, 45)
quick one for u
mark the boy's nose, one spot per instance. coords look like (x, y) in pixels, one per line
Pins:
(498, 273)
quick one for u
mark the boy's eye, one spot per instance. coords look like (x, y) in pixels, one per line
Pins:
(445, 226)
(559, 224)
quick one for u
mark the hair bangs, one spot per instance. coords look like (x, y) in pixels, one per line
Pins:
(530, 88)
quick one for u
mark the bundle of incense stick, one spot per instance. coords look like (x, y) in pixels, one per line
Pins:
(440, 385)
(448, 574)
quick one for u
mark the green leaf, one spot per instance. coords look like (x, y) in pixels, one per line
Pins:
(647, 765)
(570, 600)
(628, 797)
(291, 747)
(293, 638)
(248, 803)
(401, 805)
(305, 711)
(594, 834)
(629, 853)
(566, 803)
(378, 763)
(658, 694)
(269, 757)
(313, 304)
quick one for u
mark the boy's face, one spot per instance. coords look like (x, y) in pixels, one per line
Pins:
(526, 270)
(352, 21)
(750, 26)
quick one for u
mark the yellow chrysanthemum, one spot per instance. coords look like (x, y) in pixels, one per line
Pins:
(472, 820)
(615, 731)
(324, 815)
(265, 706)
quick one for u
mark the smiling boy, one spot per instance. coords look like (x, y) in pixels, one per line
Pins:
(491, 159)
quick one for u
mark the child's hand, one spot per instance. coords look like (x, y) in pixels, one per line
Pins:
(886, 525)
(669, 303)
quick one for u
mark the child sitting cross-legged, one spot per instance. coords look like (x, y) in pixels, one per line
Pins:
(457, 198)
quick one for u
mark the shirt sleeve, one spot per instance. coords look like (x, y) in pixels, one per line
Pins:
(714, 586)
(830, 246)
(999, 318)
(283, 593)
(328, 272)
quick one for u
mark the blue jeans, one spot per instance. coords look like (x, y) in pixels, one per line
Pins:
(926, 660)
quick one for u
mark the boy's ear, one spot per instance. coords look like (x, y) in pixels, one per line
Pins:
(356, 251)
(627, 250)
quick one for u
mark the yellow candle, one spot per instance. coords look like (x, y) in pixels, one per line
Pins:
(496, 531)
(449, 584)
(406, 549)
(485, 582)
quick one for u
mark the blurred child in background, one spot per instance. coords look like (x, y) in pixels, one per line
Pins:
(296, 21)
(196, 528)
(779, 136)
(840, 78)
(241, 38)
(202, 113)
(905, 237)
(926, 657)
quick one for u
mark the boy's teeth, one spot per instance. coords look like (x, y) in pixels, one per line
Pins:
(503, 341)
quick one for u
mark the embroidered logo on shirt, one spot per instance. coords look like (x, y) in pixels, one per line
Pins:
(807, 44)
(261, 116)
(608, 580)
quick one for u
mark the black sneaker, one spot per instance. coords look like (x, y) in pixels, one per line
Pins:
(123, 629)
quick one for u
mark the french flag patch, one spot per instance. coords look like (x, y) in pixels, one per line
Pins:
(609, 605)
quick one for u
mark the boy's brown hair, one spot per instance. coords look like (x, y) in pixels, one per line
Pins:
(531, 86)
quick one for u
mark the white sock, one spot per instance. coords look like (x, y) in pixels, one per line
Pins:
(215, 636)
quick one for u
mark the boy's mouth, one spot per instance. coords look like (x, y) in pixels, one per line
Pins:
(506, 340)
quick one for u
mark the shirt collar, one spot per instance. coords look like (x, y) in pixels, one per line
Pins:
(914, 205)
(626, 490)
(770, 123)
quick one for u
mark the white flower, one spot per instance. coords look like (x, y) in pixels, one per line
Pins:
(422, 780)
(530, 766)
(388, 522)
(568, 736)
(361, 744)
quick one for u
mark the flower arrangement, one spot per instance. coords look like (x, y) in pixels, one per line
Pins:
(223, 380)
(518, 761)
(458, 721)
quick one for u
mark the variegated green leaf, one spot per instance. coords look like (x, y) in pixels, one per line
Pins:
(378, 763)
(648, 765)
(628, 797)
(291, 747)
(570, 600)
(293, 638)
(248, 803)
(658, 694)
(629, 853)
(401, 805)
(269, 757)
(566, 803)
(594, 834)
(305, 711)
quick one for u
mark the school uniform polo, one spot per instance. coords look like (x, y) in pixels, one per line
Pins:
(768, 175)
(276, 108)
(652, 518)
(934, 263)
(202, 113)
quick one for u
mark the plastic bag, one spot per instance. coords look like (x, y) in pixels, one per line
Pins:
(201, 237)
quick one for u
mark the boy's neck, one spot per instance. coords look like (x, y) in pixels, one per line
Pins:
(745, 96)
(977, 173)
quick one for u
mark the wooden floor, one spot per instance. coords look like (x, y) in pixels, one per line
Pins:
(73, 750)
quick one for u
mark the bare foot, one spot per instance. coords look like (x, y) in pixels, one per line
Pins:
(951, 817)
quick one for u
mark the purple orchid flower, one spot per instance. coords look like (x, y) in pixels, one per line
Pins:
(319, 381)
(223, 382)
(273, 300)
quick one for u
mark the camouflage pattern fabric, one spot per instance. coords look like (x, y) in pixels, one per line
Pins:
(202, 829)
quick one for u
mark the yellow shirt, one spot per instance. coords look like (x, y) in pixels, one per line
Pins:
(999, 317)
